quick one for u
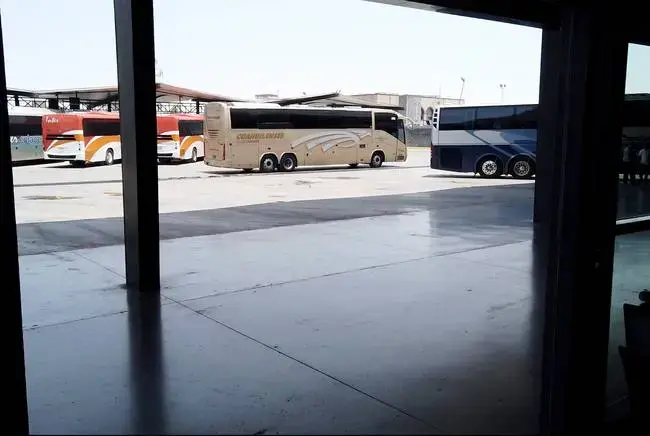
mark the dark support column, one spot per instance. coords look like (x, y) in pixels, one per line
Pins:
(549, 138)
(590, 61)
(551, 78)
(136, 80)
(198, 107)
(14, 390)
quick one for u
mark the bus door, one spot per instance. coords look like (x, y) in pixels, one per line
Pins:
(387, 132)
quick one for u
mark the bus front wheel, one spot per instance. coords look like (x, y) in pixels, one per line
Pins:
(288, 162)
(489, 167)
(110, 158)
(377, 159)
(268, 163)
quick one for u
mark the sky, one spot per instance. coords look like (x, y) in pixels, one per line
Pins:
(246, 47)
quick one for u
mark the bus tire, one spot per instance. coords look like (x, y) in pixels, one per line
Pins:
(522, 167)
(109, 159)
(377, 159)
(489, 167)
(288, 162)
(268, 163)
(195, 155)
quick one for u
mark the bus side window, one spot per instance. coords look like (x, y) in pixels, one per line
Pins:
(101, 127)
(23, 125)
(526, 117)
(388, 123)
(457, 118)
(495, 118)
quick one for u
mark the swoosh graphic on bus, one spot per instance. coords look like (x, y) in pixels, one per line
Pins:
(500, 147)
(59, 142)
(172, 133)
(188, 141)
(327, 140)
(98, 142)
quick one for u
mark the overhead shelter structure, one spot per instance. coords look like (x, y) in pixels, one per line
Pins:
(169, 99)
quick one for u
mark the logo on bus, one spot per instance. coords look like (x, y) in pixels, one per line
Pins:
(51, 120)
(35, 140)
(259, 136)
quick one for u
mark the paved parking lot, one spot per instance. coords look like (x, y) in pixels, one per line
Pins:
(58, 192)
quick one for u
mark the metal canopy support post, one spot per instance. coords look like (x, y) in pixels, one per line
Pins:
(15, 421)
(136, 80)
(588, 59)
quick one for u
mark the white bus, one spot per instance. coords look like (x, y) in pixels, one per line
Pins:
(270, 137)
(26, 133)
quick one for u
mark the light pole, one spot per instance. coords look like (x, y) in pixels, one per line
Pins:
(462, 88)
(502, 86)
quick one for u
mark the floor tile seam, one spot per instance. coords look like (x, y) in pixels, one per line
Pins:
(310, 366)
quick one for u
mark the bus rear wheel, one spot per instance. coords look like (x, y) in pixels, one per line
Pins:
(489, 167)
(268, 163)
(522, 168)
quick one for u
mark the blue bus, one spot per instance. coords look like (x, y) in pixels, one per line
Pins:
(496, 140)
(487, 140)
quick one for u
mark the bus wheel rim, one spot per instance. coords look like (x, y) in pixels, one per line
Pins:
(288, 164)
(377, 159)
(268, 163)
(489, 167)
(522, 168)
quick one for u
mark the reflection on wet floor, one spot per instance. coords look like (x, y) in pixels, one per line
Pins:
(380, 316)
(397, 314)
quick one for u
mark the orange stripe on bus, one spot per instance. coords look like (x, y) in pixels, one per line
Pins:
(98, 143)
(188, 142)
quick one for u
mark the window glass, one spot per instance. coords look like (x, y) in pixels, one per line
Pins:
(494, 118)
(20, 125)
(387, 123)
(98, 127)
(190, 128)
(526, 117)
(457, 118)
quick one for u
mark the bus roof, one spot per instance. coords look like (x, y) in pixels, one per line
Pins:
(90, 115)
(181, 116)
(35, 111)
(628, 97)
(306, 108)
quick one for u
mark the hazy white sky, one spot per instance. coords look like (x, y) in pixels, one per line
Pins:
(244, 47)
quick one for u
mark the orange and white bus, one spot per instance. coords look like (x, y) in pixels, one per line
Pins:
(180, 137)
(82, 137)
